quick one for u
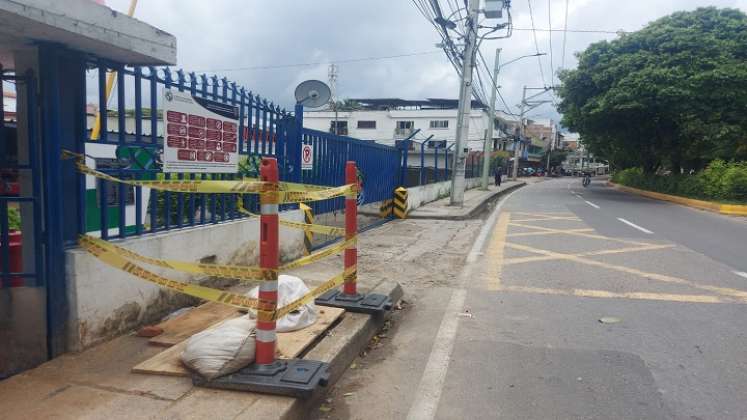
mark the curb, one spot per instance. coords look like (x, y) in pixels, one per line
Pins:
(472, 211)
(339, 347)
(729, 209)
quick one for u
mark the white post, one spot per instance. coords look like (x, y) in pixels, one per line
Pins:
(488, 146)
(517, 145)
(465, 107)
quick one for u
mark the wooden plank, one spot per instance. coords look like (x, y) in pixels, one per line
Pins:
(182, 327)
(290, 345)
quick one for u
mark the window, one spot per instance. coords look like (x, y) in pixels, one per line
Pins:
(367, 125)
(404, 128)
(405, 125)
(439, 124)
(342, 128)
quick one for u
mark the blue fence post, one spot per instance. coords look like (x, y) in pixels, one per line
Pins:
(293, 148)
(422, 161)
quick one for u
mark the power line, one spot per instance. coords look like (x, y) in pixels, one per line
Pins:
(565, 34)
(348, 60)
(549, 25)
(536, 46)
(493, 85)
(579, 31)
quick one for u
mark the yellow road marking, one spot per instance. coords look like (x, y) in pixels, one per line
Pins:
(736, 294)
(612, 295)
(651, 247)
(511, 235)
(585, 235)
(494, 254)
(575, 219)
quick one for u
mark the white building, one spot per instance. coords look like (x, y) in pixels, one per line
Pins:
(386, 121)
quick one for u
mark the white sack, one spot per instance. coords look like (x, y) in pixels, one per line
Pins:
(223, 349)
(291, 288)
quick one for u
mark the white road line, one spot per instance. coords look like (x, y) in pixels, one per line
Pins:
(591, 204)
(633, 225)
(431, 385)
(741, 274)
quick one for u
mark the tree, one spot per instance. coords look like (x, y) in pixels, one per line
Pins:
(673, 94)
(557, 157)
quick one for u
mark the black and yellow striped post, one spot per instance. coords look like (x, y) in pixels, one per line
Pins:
(308, 235)
(385, 210)
(400, 203)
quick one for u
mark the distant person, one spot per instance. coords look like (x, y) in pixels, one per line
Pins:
(498, 175)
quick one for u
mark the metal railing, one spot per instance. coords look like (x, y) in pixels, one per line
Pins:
(137, 109)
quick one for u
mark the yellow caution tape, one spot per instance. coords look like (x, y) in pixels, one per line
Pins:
(287, 192)
(107, 255)
(112, 259)
(323, 253)
(324, 230)
(322, 288)
(250, 274)
(246, 274)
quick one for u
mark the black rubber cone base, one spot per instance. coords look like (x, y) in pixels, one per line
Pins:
(372, 303)
(294, 378)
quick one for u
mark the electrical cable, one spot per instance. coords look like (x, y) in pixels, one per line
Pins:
(565, 34)
(348, 60)
(549, 25)
(536, 46)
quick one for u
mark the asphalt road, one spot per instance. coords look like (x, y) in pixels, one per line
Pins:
(510, 328)
(666, 280)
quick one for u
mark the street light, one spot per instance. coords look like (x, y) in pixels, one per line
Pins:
(488, 144)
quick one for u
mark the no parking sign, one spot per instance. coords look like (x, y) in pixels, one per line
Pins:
(307, 157)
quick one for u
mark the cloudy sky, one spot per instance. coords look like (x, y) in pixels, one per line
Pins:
(258, 43)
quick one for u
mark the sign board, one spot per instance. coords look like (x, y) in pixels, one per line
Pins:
(307, 157)
(200, 135)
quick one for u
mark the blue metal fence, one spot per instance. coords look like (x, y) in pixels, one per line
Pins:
(378, 167)
(260, 134)
(265, 130)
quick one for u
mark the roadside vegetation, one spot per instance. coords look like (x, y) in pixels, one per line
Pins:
(720, 181)
(666, 105)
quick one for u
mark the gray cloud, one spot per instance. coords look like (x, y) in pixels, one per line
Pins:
(230, 34)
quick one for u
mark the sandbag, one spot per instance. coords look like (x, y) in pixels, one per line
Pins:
(291, 288)
(223, 349)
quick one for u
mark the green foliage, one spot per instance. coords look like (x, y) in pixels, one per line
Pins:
(671, 95)
(720, 181)
(14, 219)
(557, 157)
(249, 166)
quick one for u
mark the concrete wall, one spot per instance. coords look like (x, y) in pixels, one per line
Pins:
(105, 302)
(419, 196)
(386, 122)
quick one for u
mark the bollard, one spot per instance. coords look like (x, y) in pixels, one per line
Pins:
(385, 210)
(308, 236)
(351, 230)
(400, 203)
(268, 259)
(293, 377)
(349, 298)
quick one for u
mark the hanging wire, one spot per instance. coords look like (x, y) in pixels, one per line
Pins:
(536, 45)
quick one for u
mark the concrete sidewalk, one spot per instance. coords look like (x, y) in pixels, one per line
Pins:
(475, 201)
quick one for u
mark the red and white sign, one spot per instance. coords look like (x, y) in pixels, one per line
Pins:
(307, 157)
(200, 134)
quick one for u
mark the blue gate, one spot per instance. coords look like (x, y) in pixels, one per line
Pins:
(265, 130)
(20, 192)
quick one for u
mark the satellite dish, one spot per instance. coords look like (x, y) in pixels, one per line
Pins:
(312, 93)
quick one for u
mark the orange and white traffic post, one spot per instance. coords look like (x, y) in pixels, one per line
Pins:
(268, 260)
(349, 298)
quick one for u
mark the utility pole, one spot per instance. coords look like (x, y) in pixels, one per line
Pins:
(465, 106)
(333, 87)
(517, 145)
(550, 145)
(488, 146)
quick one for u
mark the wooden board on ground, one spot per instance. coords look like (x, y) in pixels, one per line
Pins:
(180, 328)
(290, 345)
